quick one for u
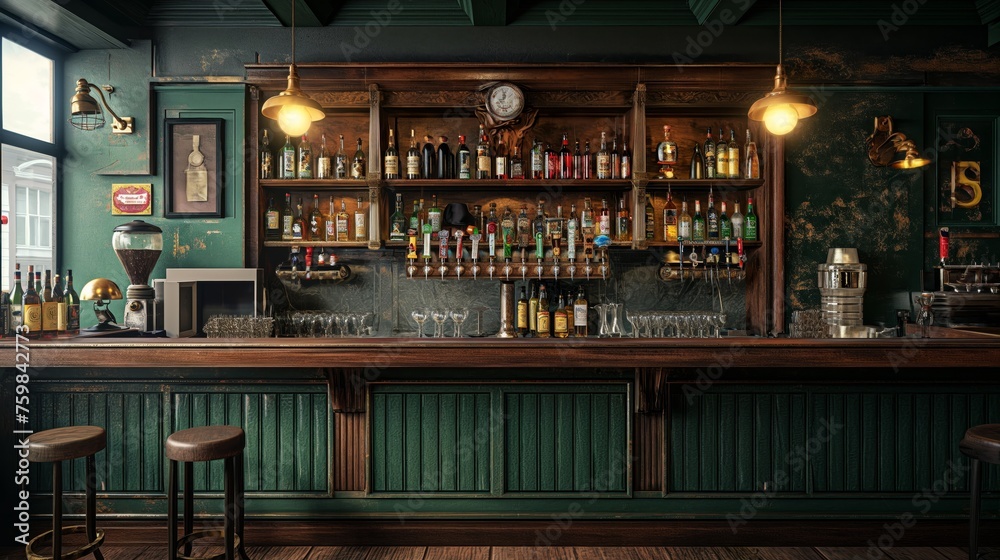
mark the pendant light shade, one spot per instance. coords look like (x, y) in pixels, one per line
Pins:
(294, 110)
(780, 109)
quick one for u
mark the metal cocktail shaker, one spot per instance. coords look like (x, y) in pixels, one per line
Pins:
(842, 281)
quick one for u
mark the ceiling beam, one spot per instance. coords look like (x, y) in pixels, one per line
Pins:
(989, 13)
(73, 20)
(491, 12)
(728, 12)
(308, 13)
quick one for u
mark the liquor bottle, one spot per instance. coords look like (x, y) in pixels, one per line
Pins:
(684, 223)
(323, 169)
(538, 226)
(522, 314)
(650, 218)
(50, 309)
(463, 159)
(305, 158)
(544, 324)
(414, 224)
(17, 300)
(72, 306)
(698, 230)
(587, 163)
(604, 159)
(523, 228)
(340, 161)
(272, 221)
(623, 222)
(711, 219)
(737, 221)
(666, 151)
(360, 223)
(533, 309)
(434, 217)
(287, 218)
(734, 156)
(492, 227)
(445, 160)
(555, 232)
(580, 309)
(398, 223)
(670, 219)
(428, 160)
(266, 158)
(477, 217)
(516, 164)
(551, 163)
(697, 163)
(568, 309)
(751, 221)
(358, 164)
(565, 159)
(501, 161)
(752, 168)
(288, 159)
(725, 224)
(330, 220)
(587, 217)
(60, 297)
(38, 283)
(604, 222)
(299, 223)
(572, 232)
(316, 227)
(391, 166)
(507, 226)
(616, 160)
(413, 158)
(709, 155)
(560, 322)
(577, 161)
(721, 158)
(343, 222)
(31, 308)
(484, 156)
(626, 165)
(537, 161)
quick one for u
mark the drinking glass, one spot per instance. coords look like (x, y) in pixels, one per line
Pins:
(344, 320)
(420, 316)
(458, 316)
(631, 317)
(439, 316)
(367, 324)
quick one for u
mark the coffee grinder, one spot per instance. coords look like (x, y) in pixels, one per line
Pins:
(138, 246)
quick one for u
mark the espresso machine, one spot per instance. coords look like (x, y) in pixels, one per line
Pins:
(138, 245)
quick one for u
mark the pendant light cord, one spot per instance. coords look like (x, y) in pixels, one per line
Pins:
(781, 33)
(293, 31)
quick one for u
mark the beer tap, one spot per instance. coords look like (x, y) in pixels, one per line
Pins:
(443, 252)
(539, 252)
(729, 271)
(555, 267)
(458, 254)
(427, 248)
(588, 250)
(474, 252)
(492, 268)
(680, 262)
(411, 256)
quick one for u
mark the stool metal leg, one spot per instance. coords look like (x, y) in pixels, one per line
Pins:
(57, 509)
(240, 508)
(229, 506)
(172, 511)
(188, 504)
(975, 481)
(92, 504)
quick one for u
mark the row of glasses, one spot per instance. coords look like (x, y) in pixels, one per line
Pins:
(676, 324)
(319, 324)
(440, 317)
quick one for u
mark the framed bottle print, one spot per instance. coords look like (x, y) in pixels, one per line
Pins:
(193, 161)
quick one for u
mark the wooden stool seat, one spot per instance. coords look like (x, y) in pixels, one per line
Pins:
(982, 443)
(63, 444)
(206, 443)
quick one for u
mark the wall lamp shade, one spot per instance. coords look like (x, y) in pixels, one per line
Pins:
(294, 110)
(780, 109)
(887, 148)
(102, 291)
(86, 114)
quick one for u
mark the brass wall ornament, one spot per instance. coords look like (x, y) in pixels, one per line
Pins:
(887, 148)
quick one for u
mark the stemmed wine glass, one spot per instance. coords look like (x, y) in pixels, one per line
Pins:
(420, 316)
(458, 317)
(439, 316)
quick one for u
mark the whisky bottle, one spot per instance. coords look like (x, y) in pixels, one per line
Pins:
(533, 309)
(484, 157)
(340, 161)
(391, 166)
(537, 161)
(626, 165)
(305, 158)
(288, 159)
(428, 161)
(725, 224)
(587, 218)
(360, 223)
(565, 159)
(316, 228)
(464, 159)
(50, 308)
(272, 221)
(287, 218)
(709, 155)
(697, 163)
(670, 219)
(616, 160)
(568, 307)
(604, 159)
(737, 220)
(398, 223)
(266, 158)
(516, 164)
(712, 219)
(721, 158)
(684, 223)
(445, 159)
(501, 160)
(580, 308)
(698, 229)
(544, 325)
(623, 222)
(666, 151)
(299, 224)
(31, 309)
(751, 221)
(330, 220)
(650, 219)
(59, 296)
(343, 222)
(734, 156)
(551, 163)
(522, 314)
(577, 161)
(560, 322)
(359, 163)
(586, 162)
(752, 168)
(72, 306)
(604, 222)
(323, 168)
(413, 158)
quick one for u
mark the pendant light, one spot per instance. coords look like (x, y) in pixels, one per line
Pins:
(295, 111)
(781, 110)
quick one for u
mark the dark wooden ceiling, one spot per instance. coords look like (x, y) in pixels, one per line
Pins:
(83, 24)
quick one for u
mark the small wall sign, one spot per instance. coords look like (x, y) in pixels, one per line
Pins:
(131, 199)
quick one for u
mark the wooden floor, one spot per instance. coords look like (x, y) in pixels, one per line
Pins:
(548, 553)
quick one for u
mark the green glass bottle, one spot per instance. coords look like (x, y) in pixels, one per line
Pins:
(288, 159)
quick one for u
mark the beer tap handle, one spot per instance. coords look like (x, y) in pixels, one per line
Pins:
(739, 251)
(443, 247)
(458, 245)
(944, 244)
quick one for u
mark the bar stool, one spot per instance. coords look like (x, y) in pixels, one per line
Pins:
(981, 443)
(207, 443)
(65, 444)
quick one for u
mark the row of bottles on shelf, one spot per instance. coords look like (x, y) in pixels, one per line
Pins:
(719, 160)
(536, 318)
(713, 226)
(41, 310)
(305, 224)
(299, 161)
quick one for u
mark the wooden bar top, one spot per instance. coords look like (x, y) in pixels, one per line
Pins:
(973, 351)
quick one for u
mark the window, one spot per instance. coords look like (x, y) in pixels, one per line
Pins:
(28, 161)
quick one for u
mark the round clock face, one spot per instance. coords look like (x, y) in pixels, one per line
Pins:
(505, 101)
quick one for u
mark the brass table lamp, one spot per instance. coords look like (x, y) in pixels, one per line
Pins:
(101, 291)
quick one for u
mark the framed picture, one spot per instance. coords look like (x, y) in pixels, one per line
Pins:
(131, 199)
(193, 162)
(965, 178)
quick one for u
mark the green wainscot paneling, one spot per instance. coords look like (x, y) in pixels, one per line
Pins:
(499, 440)
(823, 440)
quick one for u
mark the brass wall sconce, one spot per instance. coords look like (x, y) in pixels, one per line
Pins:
(892, 149)
(86, 114)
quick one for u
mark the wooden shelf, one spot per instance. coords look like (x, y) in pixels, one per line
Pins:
(519, 184)
(330, 184)
(307, 243)
(721, 185)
